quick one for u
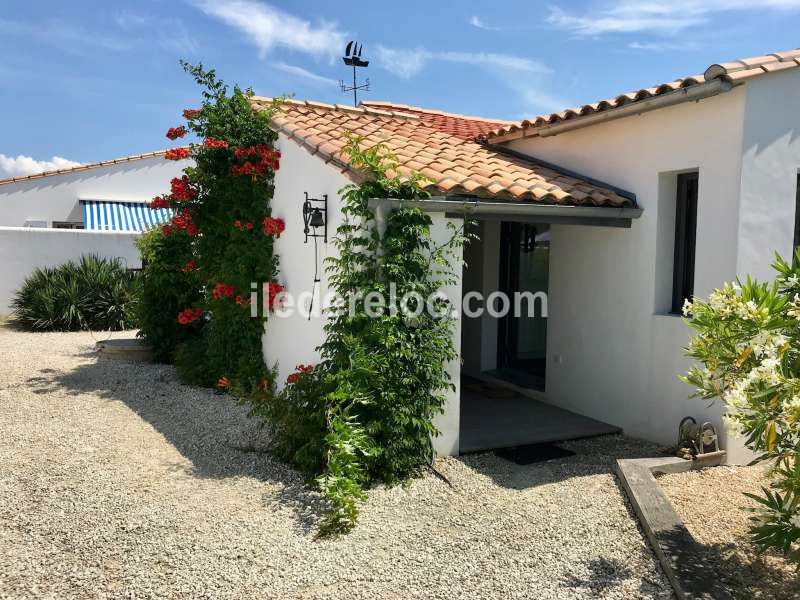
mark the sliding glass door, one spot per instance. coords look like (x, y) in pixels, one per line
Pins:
(524, 267)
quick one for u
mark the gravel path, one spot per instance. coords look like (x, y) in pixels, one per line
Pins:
(118, 482)
(711, 504)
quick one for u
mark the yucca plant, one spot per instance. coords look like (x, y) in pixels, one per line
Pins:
(92, 293)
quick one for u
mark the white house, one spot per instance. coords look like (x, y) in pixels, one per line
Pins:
(49, 218)
(618, 210)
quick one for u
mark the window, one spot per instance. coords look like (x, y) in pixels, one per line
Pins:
(685, 238)
(797, 214)
(67, 225)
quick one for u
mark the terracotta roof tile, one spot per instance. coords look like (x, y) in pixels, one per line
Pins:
(435, 145)
(735, 72)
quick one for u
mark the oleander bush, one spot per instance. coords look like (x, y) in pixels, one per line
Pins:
(92, 293)
(748, 341)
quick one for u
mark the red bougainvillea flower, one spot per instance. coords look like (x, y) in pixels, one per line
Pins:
(223, 383)
(274, 226)
(182, 190)
(299, 371)
(258, 160)
(158, 202)
(191, 113)
(239, 300)
(174, 133)
(189, 315)
(272, 293)
(190, 266)
(214, 144)
(176, 154)
(182, 219)
(222, 290)
(191, 229)
(249, 226)
(166, 230)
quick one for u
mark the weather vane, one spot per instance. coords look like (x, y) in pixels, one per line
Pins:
(352, 57)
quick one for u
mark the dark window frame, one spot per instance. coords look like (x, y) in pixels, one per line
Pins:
(685, 240)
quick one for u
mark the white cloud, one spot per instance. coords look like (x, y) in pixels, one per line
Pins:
(305, 74)
(130, 20)
(401, 62)
(476, 21)
(407, 63)
(662, 46)
(269, 27)
(527, 78)
(19, 166)
(58, 32)
(629, 16)
(171, 33)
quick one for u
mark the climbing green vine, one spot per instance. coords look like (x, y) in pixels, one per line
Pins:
(364, 415)
(219, 241)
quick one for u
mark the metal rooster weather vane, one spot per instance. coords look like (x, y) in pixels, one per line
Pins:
(352, 57)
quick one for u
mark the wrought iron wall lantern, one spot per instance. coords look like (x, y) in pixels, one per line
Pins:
(314, 217)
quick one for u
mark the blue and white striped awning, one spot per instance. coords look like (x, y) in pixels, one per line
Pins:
(106, 215)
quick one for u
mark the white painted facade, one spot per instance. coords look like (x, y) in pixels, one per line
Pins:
(57, 197)
(614, 352)
(293, 339)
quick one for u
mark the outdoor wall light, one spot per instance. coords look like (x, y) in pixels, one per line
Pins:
(315, 217)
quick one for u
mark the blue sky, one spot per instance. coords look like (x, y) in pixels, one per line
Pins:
(87, 80)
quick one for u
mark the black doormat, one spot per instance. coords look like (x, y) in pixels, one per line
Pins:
(533, 453)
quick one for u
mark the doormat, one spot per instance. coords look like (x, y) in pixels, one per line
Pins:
(533, 453)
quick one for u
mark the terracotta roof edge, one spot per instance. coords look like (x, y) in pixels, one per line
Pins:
(432, 111)
(568, 172)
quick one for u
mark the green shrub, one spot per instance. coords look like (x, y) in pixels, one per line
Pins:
(92, 293)
(748, 340)
(165, 287)
(364, 415)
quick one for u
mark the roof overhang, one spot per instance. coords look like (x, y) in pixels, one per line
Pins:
(485, 209)
(679, 96)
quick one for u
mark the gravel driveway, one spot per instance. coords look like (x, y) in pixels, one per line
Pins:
(118, 482)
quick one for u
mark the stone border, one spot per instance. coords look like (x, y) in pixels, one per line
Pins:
(680, 555)
(130, 349)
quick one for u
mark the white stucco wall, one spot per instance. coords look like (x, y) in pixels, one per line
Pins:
(56, 198)
(293, 339)
(613, 352)
(22, 249)
(770, 163)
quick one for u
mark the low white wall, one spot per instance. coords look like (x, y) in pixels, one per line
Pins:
(23, 249)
